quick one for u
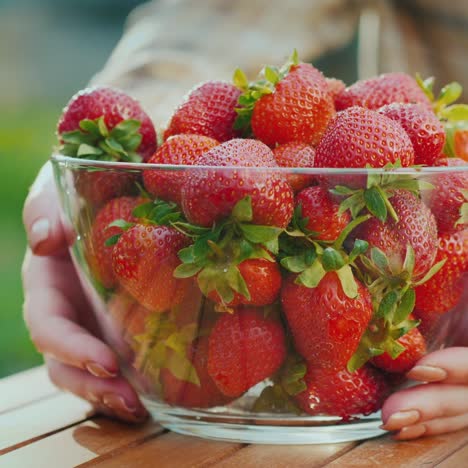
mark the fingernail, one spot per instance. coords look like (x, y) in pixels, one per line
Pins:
(411, 432)
(39, 232)
(401, 419)
(427, 374)
(92, 398)
(117, 403)
(97, 370)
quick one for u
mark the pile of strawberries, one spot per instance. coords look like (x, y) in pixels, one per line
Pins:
(243, 267)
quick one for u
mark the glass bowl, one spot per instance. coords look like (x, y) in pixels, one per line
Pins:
(276, 363)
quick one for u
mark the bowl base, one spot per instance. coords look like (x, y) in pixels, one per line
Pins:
(287, 430)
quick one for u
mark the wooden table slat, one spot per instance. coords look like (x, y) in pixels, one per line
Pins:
(24, 388)
(79, 444)
(283, 456)
(169, 451)
(458, 459)
(420, 452)
(39, 419)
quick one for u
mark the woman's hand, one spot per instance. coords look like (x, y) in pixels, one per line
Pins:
(58, 316)
(441, 405)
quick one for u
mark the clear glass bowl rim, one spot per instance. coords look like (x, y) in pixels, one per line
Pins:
(78, 163)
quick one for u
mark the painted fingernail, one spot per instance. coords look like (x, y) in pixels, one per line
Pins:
(401, 419)
(427, 374)
(39, 232)
(98, 370)
(411, 432)
(117, 403)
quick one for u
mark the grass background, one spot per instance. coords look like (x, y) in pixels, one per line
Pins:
(59, 45)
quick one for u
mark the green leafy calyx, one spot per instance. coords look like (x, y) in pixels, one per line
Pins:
(93, 140)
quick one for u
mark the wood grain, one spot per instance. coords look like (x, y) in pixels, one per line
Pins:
(170, 451)
(283, 456)
(417, 453)
(79, 444)
(39, 419)
(24, 388)
(457, 460)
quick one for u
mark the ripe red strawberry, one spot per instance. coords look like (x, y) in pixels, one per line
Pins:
(99, 255)
(326, 324)
(358, 137)
(115, 107)
(182, 393)
(296, 154)
(299, 109)
(209, 110)
(443, 291)
(180, 149)
(105, 124)
(335, 87)
(424, 129)
(209, 195)
(385, 89)
(263, 280)
(416, 227)
(447, 197)
(244, 349)
(322, 213)
(144, 260)
(342, 393)
(415, 345)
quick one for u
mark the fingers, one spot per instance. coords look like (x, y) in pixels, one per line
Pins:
(113, 396)
(448, 365)
(426, 410)
(52, 298)
(49, 316)
(434, 427)
(41, 216)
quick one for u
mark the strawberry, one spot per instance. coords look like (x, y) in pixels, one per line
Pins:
(99, 254)
(209, 110)
(335, 87)
(443, 291)
(449, 196)
(210, 195)
(144, 260)
(180, 392)
(298, 108)
(358, 137)
(424, 129)
(415, 349)
(325, 323)
(321, 212)
(245, 348)
(180, 149)
(104, 123)
(385, 89)
(263, 280)
(416, 227)
(342, 393)
(296, 154)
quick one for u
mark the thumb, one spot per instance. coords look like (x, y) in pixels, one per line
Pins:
(41, 216)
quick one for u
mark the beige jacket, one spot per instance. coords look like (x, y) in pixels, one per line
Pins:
(170, 45)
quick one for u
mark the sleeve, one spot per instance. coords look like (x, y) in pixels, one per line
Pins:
(171, 45)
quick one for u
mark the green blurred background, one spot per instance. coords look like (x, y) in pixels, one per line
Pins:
(48, 50)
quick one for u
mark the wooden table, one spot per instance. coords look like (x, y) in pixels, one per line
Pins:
(42, 427)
